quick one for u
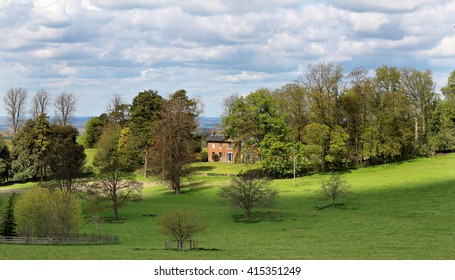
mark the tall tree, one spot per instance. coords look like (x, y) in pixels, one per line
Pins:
(41, 139)
(117, 110)
(65, 157)
(9, 224)
(65, 107)
(23, 154)
(419, 88)
(171, 150)
(14, 101)
(114, 183)
(144, 111)
(40, 102)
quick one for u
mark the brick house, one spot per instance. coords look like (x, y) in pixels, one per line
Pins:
(224, 148)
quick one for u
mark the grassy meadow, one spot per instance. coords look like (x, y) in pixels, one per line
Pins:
(396, 211)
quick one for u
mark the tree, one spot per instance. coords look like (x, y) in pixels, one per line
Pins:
(40, 103)
(42, 213)
(117, 188)
(41, 131)
(334, 188)
(114, 183)
(9, 222)
(65, 157)
(14, 101)
(144, 111)
(117, 110)
(65, 106)
(5, 161)
(181, 225)
(23, 154)
(93, 130)
(248, 191)
(419, 88)
(171, 149)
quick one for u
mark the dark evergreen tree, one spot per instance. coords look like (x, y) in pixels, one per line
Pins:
(9, 223)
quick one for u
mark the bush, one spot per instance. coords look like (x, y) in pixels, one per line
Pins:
(41, 213)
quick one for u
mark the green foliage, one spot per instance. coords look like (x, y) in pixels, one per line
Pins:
(181, 225)
(65, 157)
(5, 161)
(24, 158)
(93, 129)
(42, 213)
(8, 226)
(279, 158)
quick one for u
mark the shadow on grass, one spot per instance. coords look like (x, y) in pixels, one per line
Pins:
(198, 169)
(330, 206)
(257, 217)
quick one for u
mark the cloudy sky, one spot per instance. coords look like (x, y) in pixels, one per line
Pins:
(211, 48)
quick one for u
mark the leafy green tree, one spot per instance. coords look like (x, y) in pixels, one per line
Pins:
(317, 136)
(9, 222)
(114, 184)
(42, 213)
(449, 88)
(23, 155)
(93, 129)
(65, 157)
(41, 139)
(419, 88)
(5, 161)
(282, 159)
(144, 111)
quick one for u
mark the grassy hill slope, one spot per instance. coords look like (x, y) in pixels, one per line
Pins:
(396, 211)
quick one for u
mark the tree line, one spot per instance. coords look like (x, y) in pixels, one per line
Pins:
(39, 149)
(330, 121)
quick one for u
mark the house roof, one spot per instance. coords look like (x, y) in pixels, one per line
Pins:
(216, 138)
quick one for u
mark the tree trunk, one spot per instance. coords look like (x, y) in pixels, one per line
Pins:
(416, 129)
(146, 162)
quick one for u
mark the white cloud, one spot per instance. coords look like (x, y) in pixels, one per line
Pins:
(211, 48)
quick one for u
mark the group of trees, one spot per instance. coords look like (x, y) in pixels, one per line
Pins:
(327, 121)
(38, 148)
(153, 133)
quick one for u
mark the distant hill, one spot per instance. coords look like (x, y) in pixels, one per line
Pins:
(205, 123)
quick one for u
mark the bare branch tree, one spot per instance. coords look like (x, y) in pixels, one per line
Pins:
(14, 100)
(334, 188)
(248, 191)
(40, 103)
(65, 106)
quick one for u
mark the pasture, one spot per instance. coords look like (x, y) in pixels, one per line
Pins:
(396, 211)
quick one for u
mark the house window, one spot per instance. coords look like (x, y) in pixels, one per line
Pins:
(221, 145)
(229, 145)
(221, 156)
(213, 145)
(229, 157)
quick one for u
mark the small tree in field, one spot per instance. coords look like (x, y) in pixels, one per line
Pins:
(181, 225)
(334, 188)
(247, 191)
(9, 223)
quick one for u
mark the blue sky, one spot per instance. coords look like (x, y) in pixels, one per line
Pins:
(213, 48)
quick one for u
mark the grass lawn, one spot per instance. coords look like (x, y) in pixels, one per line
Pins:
(397, 211)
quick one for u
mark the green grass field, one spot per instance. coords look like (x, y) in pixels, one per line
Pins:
(397, 211)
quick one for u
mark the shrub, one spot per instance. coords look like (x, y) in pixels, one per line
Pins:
(42, 213)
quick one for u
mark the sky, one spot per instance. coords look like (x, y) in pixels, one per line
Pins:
(211, 48)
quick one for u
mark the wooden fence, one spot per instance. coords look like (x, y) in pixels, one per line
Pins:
(77, 239)
(180, 245)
